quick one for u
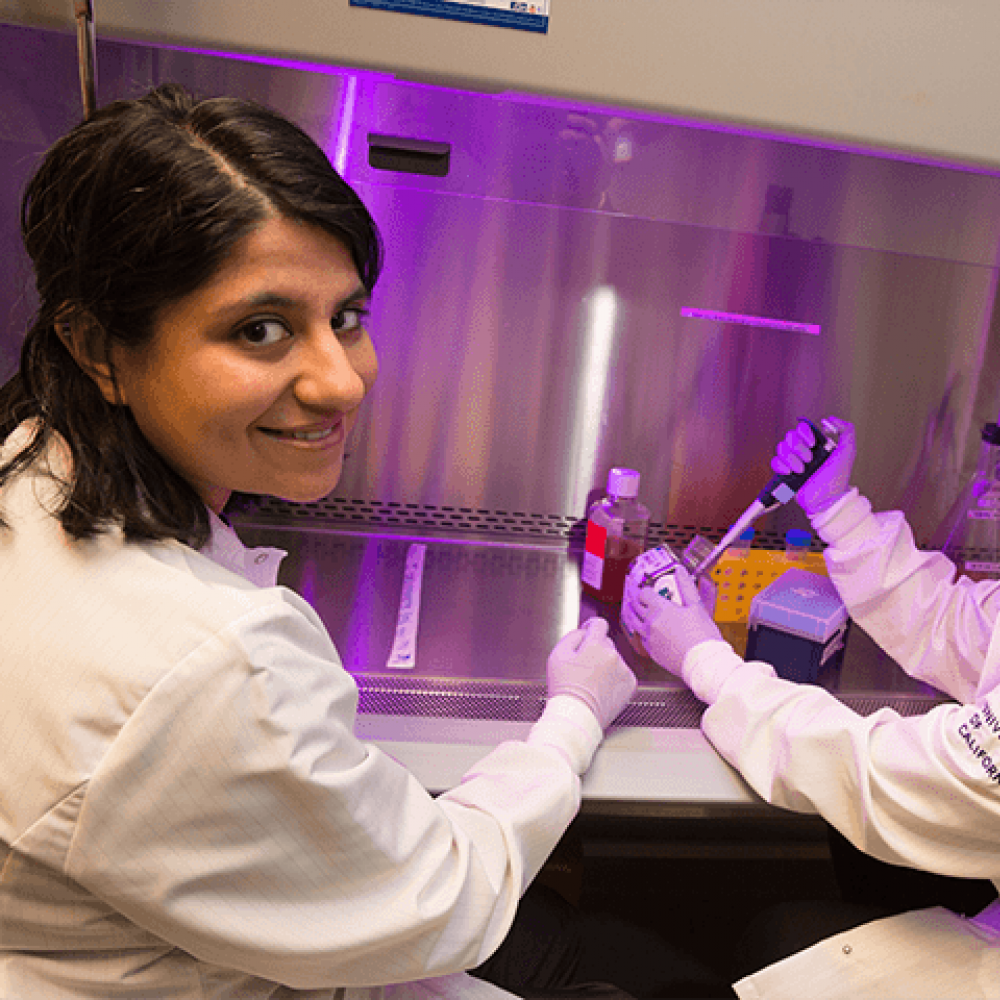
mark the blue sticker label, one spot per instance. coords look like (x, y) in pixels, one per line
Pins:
(500, 13)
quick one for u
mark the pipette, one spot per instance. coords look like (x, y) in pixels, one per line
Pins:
(778, 491)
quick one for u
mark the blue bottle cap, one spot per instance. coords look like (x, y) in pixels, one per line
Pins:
(798, 538)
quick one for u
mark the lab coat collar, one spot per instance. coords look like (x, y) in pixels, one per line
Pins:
(259, 565)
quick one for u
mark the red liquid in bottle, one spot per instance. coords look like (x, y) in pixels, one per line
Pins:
(616, 534)
(616, 569)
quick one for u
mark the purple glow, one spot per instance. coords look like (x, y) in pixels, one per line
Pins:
(633, 114)
(741, 319)
(309, 581)
(356, 646)
(345, 120)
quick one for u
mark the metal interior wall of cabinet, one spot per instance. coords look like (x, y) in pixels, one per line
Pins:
(529, 320)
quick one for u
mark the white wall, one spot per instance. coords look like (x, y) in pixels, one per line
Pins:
(916, 75)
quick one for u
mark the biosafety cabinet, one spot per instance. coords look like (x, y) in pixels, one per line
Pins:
(653, 236)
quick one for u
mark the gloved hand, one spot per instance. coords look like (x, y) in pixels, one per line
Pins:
(668, 630)
(830, 481)
(586, 665)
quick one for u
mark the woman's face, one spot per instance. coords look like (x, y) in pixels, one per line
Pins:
(253, 382)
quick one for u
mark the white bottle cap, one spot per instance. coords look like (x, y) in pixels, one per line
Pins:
(623, 483)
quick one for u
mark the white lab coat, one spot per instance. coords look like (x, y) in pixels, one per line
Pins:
(922, 792)
(185, 810)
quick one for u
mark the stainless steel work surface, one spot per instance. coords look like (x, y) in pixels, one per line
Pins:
(490, 613)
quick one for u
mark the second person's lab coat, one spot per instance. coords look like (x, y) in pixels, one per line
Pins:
(922, 792)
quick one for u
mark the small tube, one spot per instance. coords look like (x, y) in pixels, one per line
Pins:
(745, 520)
(740, 549)
(696, 553)
(798, 542)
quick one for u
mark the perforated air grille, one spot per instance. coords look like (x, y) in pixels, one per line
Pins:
(907, 705)
(444, 698)
(335, 513)
(427, 519)
(515, 701)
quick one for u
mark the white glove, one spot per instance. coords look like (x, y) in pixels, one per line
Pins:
(830, 481)
(668, 630)
(586, 665)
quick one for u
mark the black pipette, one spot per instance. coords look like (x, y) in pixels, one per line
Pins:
(778, 491)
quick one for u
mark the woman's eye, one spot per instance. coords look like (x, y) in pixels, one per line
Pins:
(348, 319)
(264, 332)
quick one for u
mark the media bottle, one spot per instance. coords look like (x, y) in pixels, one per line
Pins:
(616, 534)
(970, 534)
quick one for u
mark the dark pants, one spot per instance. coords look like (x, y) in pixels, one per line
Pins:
(863, 879)
(555, 951)
(870, 890)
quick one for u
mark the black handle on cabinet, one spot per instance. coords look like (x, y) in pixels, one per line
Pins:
(408, 156)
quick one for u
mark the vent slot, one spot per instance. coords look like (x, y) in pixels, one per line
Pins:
(358, 516)
(408, 156)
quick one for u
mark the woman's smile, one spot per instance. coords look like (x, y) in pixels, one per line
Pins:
(325, 436)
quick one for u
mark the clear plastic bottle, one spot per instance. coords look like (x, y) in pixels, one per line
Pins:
(616, 534)
(970, 534)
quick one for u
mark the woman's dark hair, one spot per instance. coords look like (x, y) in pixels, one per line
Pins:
(134, 209)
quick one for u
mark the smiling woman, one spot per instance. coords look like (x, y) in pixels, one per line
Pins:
(185, 809)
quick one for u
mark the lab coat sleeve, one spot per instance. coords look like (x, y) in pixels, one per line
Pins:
(937, 628)
(237, 817)
(922, 792)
